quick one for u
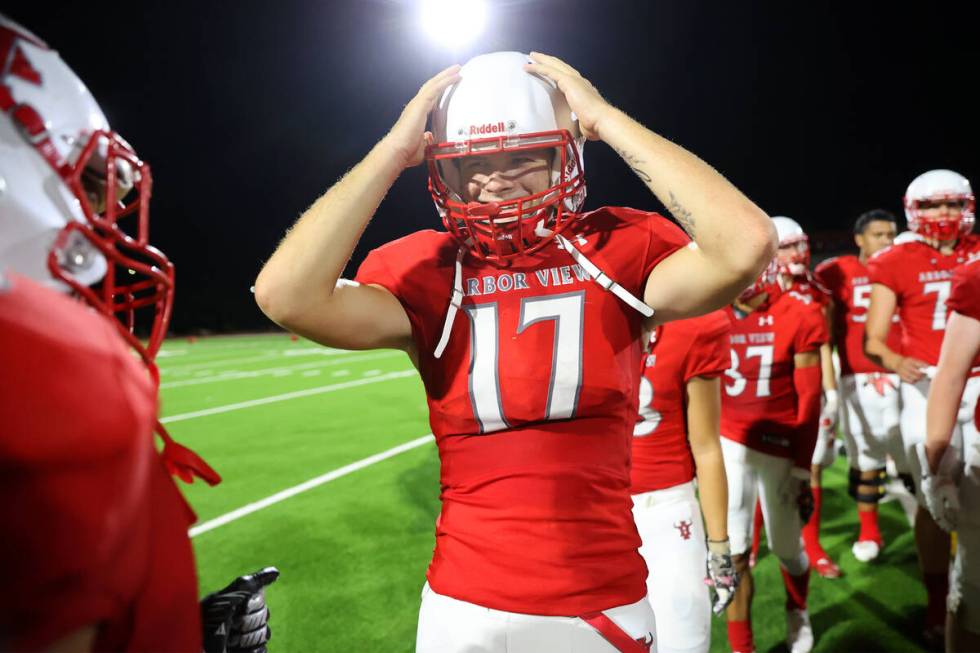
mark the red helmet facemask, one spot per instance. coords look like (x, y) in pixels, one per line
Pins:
(947, 225)
(138, 276)
(798, 262)
(503, 230)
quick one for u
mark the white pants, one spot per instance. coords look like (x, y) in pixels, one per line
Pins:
(669, 522)
(752, 475)
(448, 625)
(870, 420)
(914, 396)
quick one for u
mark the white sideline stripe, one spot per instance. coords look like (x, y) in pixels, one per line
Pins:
(308, 485)
(289, 395)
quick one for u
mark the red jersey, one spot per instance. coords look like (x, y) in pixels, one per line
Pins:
(533, 404)
(846, 278)
(812, 288)
(920, 276)
(94, 529)
(759, 402)
(679, 351)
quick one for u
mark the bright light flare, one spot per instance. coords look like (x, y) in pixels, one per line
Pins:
(453, 23)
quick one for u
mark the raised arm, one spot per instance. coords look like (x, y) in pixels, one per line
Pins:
(298, 286)
(692, 281)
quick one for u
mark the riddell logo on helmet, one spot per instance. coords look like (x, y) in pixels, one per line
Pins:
(488, 128)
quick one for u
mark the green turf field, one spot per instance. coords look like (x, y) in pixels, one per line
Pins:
(270, 413)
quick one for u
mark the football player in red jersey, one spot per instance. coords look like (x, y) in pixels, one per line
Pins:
(675, 439)
(524, 319)
(94, 529)
(949, 410)
(869, 393)
(793, 261)
(769, 421)
(914, 279)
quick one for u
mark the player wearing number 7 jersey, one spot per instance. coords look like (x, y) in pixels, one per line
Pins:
(913, 279)
(769, 420)
(524, 319)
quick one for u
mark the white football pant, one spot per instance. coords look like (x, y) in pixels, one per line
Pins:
(870, 420)
(752, 474)
(448, 625)
(669, 522)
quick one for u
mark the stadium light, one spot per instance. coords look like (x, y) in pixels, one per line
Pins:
(453, 23)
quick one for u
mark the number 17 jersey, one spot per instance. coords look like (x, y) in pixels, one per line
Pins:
(533, 404)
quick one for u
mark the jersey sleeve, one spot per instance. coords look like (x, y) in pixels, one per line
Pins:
(710, 353)
(881, 269)
(376, 270)
(828, 275)
(964, 297)
(812, 330)
(665, 238)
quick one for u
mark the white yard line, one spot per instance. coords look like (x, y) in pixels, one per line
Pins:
(289, 395)
(265, 355)
(250, 374)
(212, 524)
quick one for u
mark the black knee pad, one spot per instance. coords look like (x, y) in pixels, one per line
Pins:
(908, 482)
(877, 483)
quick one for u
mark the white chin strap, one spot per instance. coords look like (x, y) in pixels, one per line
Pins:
(597, 275)
(454, 304)
(603, 279)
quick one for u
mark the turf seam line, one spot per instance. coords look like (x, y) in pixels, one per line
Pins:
(235, 375)
(289, 395)
(307, 485)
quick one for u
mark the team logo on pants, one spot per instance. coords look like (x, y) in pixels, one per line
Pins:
(685, 529)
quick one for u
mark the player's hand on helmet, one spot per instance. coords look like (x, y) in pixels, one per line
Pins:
(910, 369)
(583, 98)
(407, 138)
(236, 618)
(939, 489)
(722, 577)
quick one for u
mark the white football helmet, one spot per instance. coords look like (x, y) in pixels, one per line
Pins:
(64, 182)
(791, 234)
(498, 107)
(938, 186)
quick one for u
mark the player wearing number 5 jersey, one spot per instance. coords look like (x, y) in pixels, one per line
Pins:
(913, 279)
(769, 420)
(524, 319)
(869, 393)
(676, 438)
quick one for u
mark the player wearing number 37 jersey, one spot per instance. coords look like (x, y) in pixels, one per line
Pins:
(524, 319)
(769, 420)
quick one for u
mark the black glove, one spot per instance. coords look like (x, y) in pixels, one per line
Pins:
(236, 619)
(804, 502)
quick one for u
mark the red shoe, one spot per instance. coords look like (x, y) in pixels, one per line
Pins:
(824, 566)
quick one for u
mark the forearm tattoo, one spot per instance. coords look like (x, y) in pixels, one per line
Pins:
(682, 215)
(633, 162)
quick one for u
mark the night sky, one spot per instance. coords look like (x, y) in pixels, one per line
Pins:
(248, 110)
